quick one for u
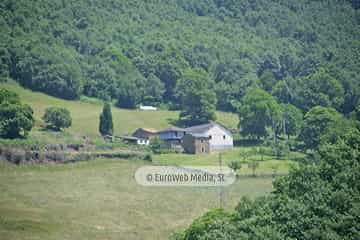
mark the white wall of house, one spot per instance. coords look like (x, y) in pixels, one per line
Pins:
(219, 139)
(141, 141)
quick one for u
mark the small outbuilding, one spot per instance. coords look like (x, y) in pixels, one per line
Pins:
(148, 108)
(144, 135)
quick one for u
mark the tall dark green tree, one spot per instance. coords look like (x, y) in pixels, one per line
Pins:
(316, 123)
(106, 123)
(198, 99)
(320, 89)
(291, 120)
(267, 80)
(258, 111)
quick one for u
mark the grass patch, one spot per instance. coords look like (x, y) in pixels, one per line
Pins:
(241, 154)
(100, 200)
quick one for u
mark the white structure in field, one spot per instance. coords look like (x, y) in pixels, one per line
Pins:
(147, 108)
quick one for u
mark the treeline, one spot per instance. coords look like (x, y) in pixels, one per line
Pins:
(139, 52)
(319, 200)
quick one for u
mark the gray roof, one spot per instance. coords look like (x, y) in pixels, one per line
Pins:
(200, 129)
(173, 129)
(199, 135)
(129, 138)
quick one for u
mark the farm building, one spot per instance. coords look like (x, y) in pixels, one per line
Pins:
(205, 138)
(172, 136)
(145, 134)
(135, 140)
(219, 137)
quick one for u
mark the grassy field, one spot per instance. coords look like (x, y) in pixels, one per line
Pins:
(241, 154)
(101, 200)
(85, 114)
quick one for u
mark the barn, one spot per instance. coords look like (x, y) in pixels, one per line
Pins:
(216, 136)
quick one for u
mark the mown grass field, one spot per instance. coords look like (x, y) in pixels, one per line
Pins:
(100, 200)
(267, 163)
(85, 114)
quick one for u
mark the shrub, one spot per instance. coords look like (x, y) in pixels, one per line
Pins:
(235, 165)
(148, 157)
(280, 149)
(16, 119)
(156, 145)
(57, 118)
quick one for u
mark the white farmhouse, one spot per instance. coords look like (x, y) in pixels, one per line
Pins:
(219, 137)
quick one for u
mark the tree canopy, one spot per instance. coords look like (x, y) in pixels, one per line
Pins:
(316, 122)
(197, 97)
(316, 201)
(16, 118)
(258, 111)
(57, 118)
(118, 49)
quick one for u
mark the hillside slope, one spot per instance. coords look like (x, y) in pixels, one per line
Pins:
(85, 115)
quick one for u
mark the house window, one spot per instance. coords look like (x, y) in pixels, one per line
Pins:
(224, 137)
(210, 137)
(202, 149)
(176, 134)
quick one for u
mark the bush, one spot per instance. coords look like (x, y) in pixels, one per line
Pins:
(148, 157)
(16, 120)
(280, 149)
(235, 165)
(157, 145)
(57, 118)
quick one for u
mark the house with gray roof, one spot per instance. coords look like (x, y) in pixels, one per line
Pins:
(172, 136)
(202, 138)
(218, 136)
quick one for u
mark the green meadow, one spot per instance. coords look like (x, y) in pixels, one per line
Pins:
(244, 155)
(85, 114)
(100, 200)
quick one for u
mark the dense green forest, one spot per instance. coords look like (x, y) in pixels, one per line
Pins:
(316, 201)
(137, 52)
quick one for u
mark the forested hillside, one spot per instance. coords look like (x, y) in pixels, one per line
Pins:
(302, 52)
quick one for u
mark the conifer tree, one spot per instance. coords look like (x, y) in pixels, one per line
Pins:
(106, 123)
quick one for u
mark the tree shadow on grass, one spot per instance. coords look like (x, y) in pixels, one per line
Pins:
(182, 123)
(248, 142)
